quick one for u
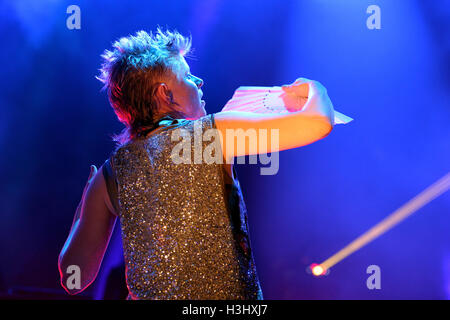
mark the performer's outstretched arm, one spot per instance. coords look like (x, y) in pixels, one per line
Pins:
(296, 129)
(90, 233)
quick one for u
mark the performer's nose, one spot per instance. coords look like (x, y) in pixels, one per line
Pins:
(198, 82)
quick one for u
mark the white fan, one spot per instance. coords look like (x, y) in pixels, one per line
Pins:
(270, 100)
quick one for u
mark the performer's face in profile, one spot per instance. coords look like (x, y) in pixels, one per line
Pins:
(186, 91)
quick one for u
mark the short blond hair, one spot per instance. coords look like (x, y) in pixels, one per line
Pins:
(131, 72)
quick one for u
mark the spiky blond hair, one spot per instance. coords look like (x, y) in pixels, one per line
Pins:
(131, 72)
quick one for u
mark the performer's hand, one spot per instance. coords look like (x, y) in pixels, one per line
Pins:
(296, 94)
(299, 87)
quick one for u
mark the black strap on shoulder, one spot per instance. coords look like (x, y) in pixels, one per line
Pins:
(155, 126)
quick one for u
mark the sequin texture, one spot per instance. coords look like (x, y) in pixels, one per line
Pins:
(183, 237)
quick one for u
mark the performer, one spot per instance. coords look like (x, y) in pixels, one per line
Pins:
(184, 225)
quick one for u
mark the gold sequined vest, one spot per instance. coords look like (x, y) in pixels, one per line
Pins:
(184, 229)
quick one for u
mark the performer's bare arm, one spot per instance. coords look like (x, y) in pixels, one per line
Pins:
(90, 233)
(296, 129)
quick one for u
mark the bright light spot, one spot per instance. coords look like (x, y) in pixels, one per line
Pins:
(317, 270)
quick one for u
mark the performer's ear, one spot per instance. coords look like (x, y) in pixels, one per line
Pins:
(163, 93)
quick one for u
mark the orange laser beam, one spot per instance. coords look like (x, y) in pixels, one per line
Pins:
(426, 196)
